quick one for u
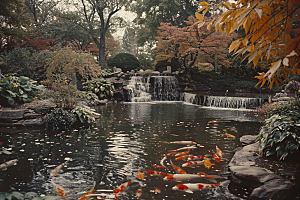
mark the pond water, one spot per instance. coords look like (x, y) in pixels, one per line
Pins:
(126, 138)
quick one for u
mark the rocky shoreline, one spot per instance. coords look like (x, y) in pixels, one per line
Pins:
(263, 182)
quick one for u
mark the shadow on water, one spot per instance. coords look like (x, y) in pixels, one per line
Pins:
(125, 139)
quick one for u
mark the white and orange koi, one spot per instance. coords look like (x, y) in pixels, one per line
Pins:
(57, 169)
(158, 166)
(207, 163)
(138, 193)
(121, 188)
(219, 152)
(195, 158)
(182, 142)
(178, 169)
(216, 157)
(186, 177)
(85, 196)
(162, 161)
(214, 121)
(170, 154)
(58, 189)
(194, 187)
(141, 175)
(157, 173)
(193, 163)
(182, 153)
(8, 164)
(185, 157)
(156, 190)
(186, 148)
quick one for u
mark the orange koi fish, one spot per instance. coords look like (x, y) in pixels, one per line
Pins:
(216, 157)
(156, 173)
(219, 152)
(195, 158)
(85, 196)
(193, 187)
(138, 193)
(158, 166)
(182, 157)
(121, 188)
(8, 164)
(141, 175)
(182, 142)
(182, 153)
(178, 170)
(186, 177)
(170, 154)
(59, 189)
(229, 135)
(207, 163)
(202, 173)
(214, 121)
(193, 163)
(57, 169)
(157, 190)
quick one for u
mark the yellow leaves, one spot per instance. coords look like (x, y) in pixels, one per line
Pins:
(247, 24)
(199, 17)
(234, 45)
(203, 3)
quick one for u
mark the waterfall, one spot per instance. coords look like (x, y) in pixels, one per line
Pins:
(160, 88)
(231, 102)
(189, 98)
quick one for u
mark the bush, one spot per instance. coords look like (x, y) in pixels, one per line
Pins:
(125, 61)
(59, 119)
(14, 89)
(101, 87)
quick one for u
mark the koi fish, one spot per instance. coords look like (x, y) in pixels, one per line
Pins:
(57, 169)
(229, 135)
(182, 153)
(157, 166)
(182, 142)
(214, 121)
(59, 189)
(219, 152)
(207, 163)
(170, 154)
(186, 177)
(8, 164)
(194, 187)
(138, 193)
(162, 161)
(141, 175)
(157, 190)
(186, 148)
(202, 173)
(178, 170)
(216, 157)
(122, 188)
(193, 163)
(156, 173)
(182, 157)
(195, 158)
(85, 196)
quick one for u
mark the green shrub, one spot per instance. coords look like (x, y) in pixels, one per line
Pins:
(101, 87)
(125, 61)
(280, 136)
(14, 89)
(59, 119)
(84, 114)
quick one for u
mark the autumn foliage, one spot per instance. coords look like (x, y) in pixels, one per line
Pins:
(271, 32)
(175, 42)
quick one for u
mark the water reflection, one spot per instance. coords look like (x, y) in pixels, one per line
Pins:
(125, 139)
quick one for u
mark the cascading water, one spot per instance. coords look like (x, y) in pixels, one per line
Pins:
(231, 102)
(189, 98)
(160, 88)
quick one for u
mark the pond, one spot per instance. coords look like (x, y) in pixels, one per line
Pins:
(126, 138)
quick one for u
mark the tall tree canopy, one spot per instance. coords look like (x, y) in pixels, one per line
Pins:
(96, 19)
(150, 13)
(272, 31)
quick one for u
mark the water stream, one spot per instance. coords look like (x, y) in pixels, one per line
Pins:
(128, 137)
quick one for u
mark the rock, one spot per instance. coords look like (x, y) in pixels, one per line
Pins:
(12, 115)
(248, 139)
(245, 156)
(273, 189)
(31, 115)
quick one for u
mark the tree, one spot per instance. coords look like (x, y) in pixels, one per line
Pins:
(175, 42)
(271, 31)
(96, 20)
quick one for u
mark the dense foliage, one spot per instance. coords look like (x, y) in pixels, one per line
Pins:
(14, 89)
(280, 135)
(101, 87)
(59, 119)
(125, 61)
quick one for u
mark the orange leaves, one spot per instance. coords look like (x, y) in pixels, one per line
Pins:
(199, 17)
